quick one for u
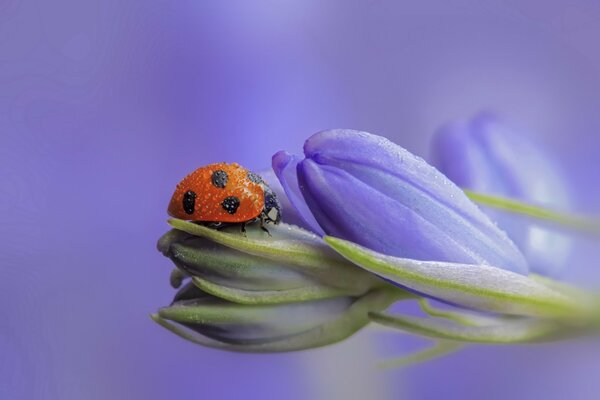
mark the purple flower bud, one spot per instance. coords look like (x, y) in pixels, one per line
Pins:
(485, 156)
(366, 189)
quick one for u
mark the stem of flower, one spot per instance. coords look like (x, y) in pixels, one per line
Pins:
(505, 331)
(439, 349)
(582, 223)
(458, 317)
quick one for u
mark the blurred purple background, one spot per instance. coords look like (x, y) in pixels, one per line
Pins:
(105, 105)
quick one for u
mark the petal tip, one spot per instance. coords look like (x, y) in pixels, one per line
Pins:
(322, 139)
(280, 160)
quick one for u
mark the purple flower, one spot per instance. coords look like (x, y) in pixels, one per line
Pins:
(485, 156)
(368, 190)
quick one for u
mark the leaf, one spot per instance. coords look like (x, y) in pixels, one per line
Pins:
(472, 286)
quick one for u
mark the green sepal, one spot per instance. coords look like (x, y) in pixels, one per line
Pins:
(293, 247)
(241, 296)
(224, 266)
(473, 286)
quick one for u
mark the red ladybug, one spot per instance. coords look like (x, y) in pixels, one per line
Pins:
(225, 193)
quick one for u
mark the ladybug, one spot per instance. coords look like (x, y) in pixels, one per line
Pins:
(221, 194)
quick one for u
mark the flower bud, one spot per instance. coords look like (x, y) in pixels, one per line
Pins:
(214, 322)
(485, 156)
(289, 265)
(265, 293)
(365, 189)
(200, 257)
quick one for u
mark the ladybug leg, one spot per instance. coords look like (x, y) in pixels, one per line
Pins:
(214, 225)
(262, 225)
(243, 228)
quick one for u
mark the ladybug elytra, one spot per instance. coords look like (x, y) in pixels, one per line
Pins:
(224, 193)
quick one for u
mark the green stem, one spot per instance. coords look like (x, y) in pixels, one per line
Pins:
(506, 331)
(578, 222)
(439, 349)
(458, 317)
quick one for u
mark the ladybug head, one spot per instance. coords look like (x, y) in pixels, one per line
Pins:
(272, 209)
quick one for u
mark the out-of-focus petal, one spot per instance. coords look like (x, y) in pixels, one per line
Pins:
(366, 189)
(284, 165)
(485, 156)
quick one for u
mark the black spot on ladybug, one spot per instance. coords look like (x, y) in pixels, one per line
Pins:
(189, 202)
(231, 204)
(219, 178)
(254, 177)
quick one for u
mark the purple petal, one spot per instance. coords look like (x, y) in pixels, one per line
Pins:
(364, 188)
(485, 156)
(284, 165)
(289, 214)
